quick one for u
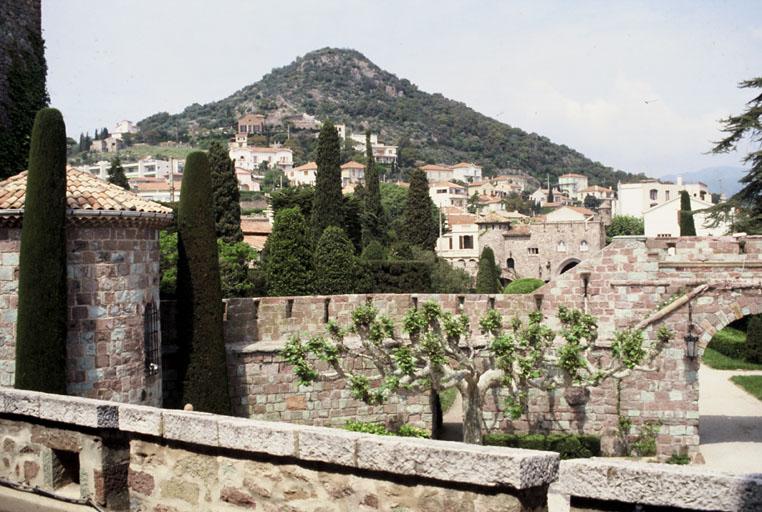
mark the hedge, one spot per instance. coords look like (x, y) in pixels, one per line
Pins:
(521, 286)
(397, 276)
(569, 446)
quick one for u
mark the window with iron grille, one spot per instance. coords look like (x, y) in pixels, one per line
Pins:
(151, 339)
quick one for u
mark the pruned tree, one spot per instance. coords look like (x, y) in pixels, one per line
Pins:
(687, 225)
(488, 275)
(116, 174)
(438, 352)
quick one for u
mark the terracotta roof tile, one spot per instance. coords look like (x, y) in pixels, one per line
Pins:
(83, 192)
(353, 165)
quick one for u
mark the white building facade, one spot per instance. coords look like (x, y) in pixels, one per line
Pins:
(636, 198)
(663, 220)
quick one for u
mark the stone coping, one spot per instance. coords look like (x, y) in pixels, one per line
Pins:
(666, 485)
(488, 466)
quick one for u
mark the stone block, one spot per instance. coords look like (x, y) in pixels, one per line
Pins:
(79, 411)
(258, 436)
(140, 419)
(457, 462)
(191, 427)
(16, 401)
(331, 445)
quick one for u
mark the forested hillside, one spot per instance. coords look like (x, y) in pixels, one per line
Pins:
(344, 86)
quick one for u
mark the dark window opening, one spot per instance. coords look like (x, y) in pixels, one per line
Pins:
(510, 263)
(65, 468)
(569, 266)
(289, 308)
(326, 306)
(151, 349)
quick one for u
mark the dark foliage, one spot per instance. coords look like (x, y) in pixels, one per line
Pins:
(624, 225)
(335, 263)
(327, 204)
(521, 286)
(116, 174)
(42, 310)
(591, 202)
(373, 218)
(199, 306)
(290, 197)
(397, 276)
(345, 86)
(419, 227)
(569, 446)
(352, 215)
(288, 260)
(488, 275)
(26, 95)
(225, 195)
(687, 226)
(753, 352)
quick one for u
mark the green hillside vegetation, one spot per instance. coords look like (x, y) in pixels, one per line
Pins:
(345, 87)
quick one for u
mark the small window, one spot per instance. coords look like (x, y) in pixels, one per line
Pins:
(533, 250)
(583, 246)
(666, 195)
(151, 339)
(653, 194)
(561, 246)
(467, 242)
(509, 263)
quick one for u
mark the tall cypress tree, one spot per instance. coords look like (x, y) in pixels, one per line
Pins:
(43, 311)
(199, 292)
(335, 263)
(488, 275)
(687, 226)
(26, 95)
(420, 228)
(116, 174)
(288, 264)
(225, 195)
(326, 206)
(373, 212)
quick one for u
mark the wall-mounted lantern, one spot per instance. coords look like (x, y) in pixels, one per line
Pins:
(691, 340)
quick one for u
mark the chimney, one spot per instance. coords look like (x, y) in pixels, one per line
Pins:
(680, 181)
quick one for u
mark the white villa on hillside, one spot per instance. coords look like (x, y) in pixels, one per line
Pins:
(663, 219)
(572, 184)
(467, 172)
(303, 175)
(251, 157)
(446, 193)
(352, 173)
(636, 198)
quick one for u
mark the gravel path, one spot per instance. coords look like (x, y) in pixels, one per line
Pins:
(730, 422)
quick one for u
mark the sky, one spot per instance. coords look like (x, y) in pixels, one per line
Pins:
(639, 86)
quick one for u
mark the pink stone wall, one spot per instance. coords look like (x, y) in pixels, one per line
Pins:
(113, 273)
(622, 285)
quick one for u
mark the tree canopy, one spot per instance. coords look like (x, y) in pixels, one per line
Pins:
(687, 225)
(288, 262)
(226, 197)
(116, 174)
(326, 206)
(419, 227)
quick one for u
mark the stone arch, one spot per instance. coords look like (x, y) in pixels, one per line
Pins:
(567, 264)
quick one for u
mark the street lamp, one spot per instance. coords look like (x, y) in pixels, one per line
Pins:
(691, 341)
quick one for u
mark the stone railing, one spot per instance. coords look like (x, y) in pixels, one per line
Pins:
(147, 456)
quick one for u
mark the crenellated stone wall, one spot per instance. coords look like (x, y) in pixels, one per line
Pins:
(704, 282)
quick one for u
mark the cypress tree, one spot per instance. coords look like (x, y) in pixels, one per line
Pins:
(327, 204)
(288, 265)
(373, 212)
(225, 195)
(420, 228)
(335, 263)
(687, 226)
(116, 174)
(488, 275)
(199, 292)
(43, 311)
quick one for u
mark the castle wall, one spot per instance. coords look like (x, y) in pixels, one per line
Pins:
(113, 274)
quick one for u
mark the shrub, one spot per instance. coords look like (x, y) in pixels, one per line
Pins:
(199, 306)
(42, 310)
(235, 274)
(374, 251)
(730, 342)
(408, 430)
(679, 458)
(288, 261)
(753, 347)
(569, 446)
(335, 263)
(525, 285)
(397, 276)
(367, 427)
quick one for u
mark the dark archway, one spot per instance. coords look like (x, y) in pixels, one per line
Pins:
(567, 265)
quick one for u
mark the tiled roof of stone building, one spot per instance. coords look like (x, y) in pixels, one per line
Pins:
(83, 192)
(88, 199)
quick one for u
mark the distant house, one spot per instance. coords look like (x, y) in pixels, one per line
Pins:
(446, 193)
(487, 204)
(540, 197)
(303, 175)
(123, 127)
(572, 184)
(435, 172)
(663, 219)
(500, 186)
(251, 123)
(352, 173)
(255, 231)
(636, 198)
(251, 157)
(110, 144)
(570, 214)
(303, 121)
(157, 189)
(467, 172)
(597, 192)
(246, 180)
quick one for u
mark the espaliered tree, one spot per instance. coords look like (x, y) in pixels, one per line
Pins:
(437, 352)
(488, 275)
(288, 263)
(419, 227)
(225, 195)
(199, 305)
(327, 204)
(687, 226)
(373, 221)
(335, 263)
(42, 309)
(116, 174)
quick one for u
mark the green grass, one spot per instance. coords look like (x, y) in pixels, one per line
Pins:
(138, 152)
(752, 384)
(447, 398)
(730, 341)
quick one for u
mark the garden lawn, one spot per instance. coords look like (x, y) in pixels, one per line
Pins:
(728, 338)
(752, 384)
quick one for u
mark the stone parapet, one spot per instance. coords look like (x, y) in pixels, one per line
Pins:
(661, 485)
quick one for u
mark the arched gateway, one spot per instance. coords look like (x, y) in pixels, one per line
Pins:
(694, 285)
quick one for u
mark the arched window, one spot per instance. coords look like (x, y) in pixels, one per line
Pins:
(583, 247)
(510, 264)
(561, 247)
(151, 350)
